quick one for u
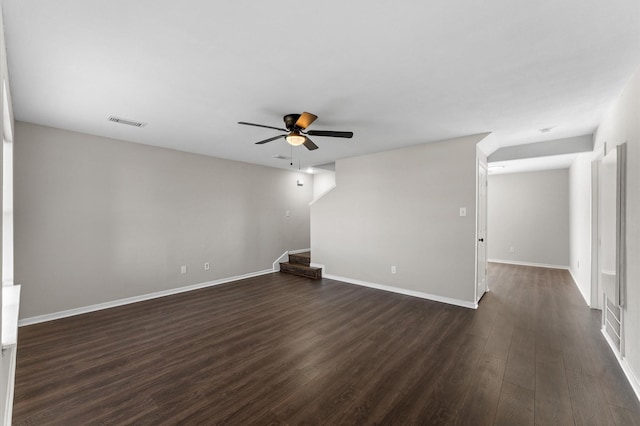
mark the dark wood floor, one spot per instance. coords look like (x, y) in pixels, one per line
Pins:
(283, 349)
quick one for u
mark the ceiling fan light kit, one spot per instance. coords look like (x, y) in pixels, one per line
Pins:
(296, 125)
(295, 138)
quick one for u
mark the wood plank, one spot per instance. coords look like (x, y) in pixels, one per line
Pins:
(516, 406)
(587, 400)
(521, 363)
(499, 340)
(282, 349)
(624, 417)
(552, 398)
(481, 402)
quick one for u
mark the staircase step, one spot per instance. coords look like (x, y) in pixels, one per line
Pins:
(300, 258)
(301, 270)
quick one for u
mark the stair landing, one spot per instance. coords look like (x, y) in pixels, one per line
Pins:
(299, 264)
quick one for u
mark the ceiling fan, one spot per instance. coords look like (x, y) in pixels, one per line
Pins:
(296, 128)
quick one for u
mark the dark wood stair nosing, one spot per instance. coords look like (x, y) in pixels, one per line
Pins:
(301, 270)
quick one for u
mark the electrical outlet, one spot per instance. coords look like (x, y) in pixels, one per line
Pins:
(207, 266)
(183, 269)
(512, 249)
(393, 269)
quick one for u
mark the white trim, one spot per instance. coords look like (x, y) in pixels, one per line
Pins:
(631, 376)
(433, 297)
(596, 294)
(626, 367)
(481, 163)
(538, 265)
(299, 251)
(276, 263)
(11, 384)
(10, 311)
(322, 194)
(135, 299)
(584, 296)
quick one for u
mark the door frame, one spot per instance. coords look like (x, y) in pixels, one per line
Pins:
(481, 164)
(596, 295)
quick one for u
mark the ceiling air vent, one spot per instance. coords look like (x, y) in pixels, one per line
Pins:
(127, 122)
(281, 157)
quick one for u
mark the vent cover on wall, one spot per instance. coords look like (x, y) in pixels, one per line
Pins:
(127, 122)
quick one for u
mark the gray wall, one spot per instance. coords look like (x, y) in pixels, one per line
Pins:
(99, 219)
(322, 182)
(401, 208)
(529, 212)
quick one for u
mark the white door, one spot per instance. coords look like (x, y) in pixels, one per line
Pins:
(481, 247)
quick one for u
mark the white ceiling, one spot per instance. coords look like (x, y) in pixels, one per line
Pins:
(396, 73)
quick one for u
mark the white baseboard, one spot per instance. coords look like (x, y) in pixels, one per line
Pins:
(405, 292)
(135, 299)
(631, 376)
(538, 265)
(575, 281)
(626, 368)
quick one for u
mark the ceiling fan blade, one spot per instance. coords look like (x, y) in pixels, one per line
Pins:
(270, 139)
(330, 133)
(310, 145)
(305, 120)
(262, 125)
